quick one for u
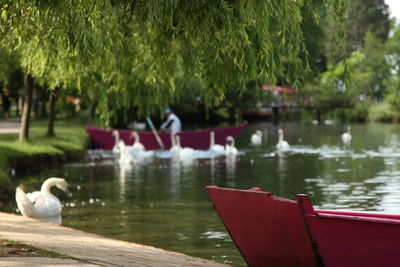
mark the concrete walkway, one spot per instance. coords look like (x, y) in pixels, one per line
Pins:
(85, 249)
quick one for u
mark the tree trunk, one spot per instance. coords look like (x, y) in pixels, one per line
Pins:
(92, 110)
(26, 111)
(52, 113)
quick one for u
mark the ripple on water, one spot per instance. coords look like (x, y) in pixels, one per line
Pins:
(215, 235)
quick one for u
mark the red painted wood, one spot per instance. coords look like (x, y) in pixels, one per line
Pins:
(346, 238)
(200, 139)
(267, 230)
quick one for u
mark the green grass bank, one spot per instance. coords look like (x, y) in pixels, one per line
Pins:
(40, 152)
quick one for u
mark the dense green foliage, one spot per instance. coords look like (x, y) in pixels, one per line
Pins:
(123, 54)
(363, 84)
(366, 16)
(128, 59)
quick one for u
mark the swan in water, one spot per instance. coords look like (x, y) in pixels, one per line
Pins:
(282, 144)
(177, 150)
(115, 149)
(42, 204)
(346, 137)
(137, 146)
(137, 150)
(256, 138)
(125, 156)
(230, 149)
(184, 152)
(215, 147)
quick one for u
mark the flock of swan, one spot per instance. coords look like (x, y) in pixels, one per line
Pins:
(256, 139)
(129, 154)
(282, 145)
(45, 206)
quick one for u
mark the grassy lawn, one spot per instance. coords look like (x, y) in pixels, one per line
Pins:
(41, 151)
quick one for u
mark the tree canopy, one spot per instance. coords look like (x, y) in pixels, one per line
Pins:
(143, 53)
(366, 16)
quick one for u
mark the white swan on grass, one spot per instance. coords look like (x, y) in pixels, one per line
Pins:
(346, 137)
(42, 204)
(282, 144)
(256, 138)
(215, 147)
(230, 149)
(116, 149)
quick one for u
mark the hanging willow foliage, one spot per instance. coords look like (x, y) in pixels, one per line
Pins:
(141, 53)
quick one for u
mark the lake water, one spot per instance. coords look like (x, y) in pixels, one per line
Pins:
(162, 202)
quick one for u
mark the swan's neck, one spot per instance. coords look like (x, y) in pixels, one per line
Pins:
(212, 141)
(280, 137)
(231, 142)
(45, 189)
(173, 141)
(137, 138)
(116, 134)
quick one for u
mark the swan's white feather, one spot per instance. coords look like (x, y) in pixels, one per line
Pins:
(215, 147)
(41, 204)
(346, 137)
(230, 149)
(256, 138)
(282, 145)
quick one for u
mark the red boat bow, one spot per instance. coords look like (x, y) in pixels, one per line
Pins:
(273, 231)
(267, 230)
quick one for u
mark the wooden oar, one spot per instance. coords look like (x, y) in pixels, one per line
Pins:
(153, 129)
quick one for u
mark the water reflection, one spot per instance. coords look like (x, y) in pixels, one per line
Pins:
(230, 163)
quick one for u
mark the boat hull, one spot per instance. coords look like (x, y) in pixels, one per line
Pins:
(267, 230)
(273, 231)
(346, 238)
(199, 139)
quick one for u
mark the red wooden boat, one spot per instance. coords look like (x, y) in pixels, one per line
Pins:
(347, 238)
(273, 231)
(267, 230)
(198, 139)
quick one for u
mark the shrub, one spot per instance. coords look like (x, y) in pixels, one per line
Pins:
(381, 112)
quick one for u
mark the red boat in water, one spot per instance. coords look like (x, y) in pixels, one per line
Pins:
(198, 139)
(273, 231)
(347, 238)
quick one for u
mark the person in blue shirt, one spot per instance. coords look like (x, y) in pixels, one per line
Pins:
(172, 123)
